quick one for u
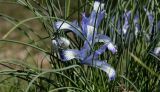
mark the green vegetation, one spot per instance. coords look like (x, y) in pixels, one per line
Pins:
(28, 62)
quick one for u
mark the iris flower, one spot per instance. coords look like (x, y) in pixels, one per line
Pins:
(150, 19)
(124, 29)
(88, 33)
(126, 25)
(127, 18)
(137, 27)
(136, 24)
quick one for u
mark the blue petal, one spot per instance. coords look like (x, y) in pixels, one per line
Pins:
(91, 33)
(102, 49)
(157, 51)
(84, 24)
(112, 48)
(93, 18)
(102, 38)
(98, 6)
(127, 16)
(119, 27)
(103, 65)
(60, 25)
(136, 19)
(90, 41)
(100, 17)
(94, 55)
(69, 54)
(84, 53)
(96, 18)
(136, 24)
(125, 28)
(150, 16)
(158, 25)
(150, 19)
(108, 43)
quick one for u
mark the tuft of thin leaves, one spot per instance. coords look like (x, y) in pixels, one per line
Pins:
(137, 66)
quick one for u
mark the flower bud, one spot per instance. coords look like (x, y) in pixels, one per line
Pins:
(98, 6)
(60, 43)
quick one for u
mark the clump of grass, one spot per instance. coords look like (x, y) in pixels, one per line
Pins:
(137, 67)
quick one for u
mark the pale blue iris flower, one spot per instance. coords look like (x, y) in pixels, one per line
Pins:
(137, 27)
(127, 16)
(136, 24)
(124, 29)
(88, 33)
(150, 19)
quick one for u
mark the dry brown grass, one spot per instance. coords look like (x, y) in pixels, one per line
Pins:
(14, 50)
